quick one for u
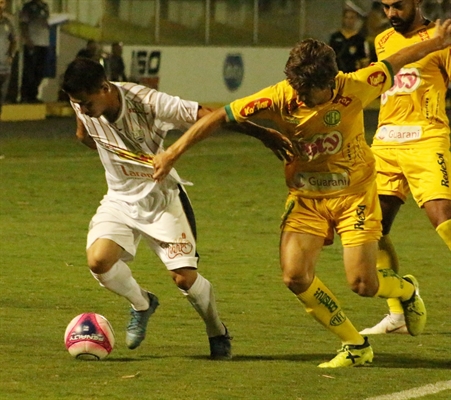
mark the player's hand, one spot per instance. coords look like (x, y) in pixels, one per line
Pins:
(162, 165)
(279, 144)
(443, 32)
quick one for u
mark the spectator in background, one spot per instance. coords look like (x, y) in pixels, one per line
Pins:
(8, 45)
(34, 28)
(91, 51)
(376, 22)
(349, 44)
(114, 64)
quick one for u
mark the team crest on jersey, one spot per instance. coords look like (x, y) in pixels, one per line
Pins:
(406, 80)
(138, 135)
(377, 78)
(255, 106)
(332, 118)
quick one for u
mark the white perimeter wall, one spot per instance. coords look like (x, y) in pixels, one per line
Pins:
(196, 73)
(193, 73)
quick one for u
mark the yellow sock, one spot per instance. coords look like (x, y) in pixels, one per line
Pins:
(391, 285)
(322, 305)
(444, 231)
(388, 259)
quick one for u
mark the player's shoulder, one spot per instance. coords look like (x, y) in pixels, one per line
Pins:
(384, 36)
(134, 91)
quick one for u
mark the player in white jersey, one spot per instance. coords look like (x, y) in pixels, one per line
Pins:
(127, 124)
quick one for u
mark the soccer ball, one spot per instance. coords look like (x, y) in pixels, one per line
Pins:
(89, 336)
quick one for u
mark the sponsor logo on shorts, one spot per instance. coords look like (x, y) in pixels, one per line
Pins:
(321, 144)
(406, 80)
(443, 169)
(377, 78)
(321, 181)
(338, 318)
(361, 217)
(332, 118)
(324, 299)
(399, 134)
(255, 106)
(179, 248)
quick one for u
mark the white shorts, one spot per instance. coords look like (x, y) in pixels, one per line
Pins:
(172, 235)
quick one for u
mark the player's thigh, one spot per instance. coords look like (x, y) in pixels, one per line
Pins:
(428, 171)
(171, 237)
(390, 178)
(308, 216)
(112, 224)
(358, 217)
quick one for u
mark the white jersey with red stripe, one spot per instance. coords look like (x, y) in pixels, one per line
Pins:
(145, 118)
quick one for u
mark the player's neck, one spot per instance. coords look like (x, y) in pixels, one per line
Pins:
(114, 110)
(419, 23)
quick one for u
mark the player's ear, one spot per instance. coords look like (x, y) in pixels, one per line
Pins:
(106, 87)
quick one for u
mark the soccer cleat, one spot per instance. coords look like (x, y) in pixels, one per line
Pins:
(387, 325)
(136, 329)
(351, 356)
(414, 309)
(221, 346)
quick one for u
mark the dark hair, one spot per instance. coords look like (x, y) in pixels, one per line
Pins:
(311, 63)
(83, 75)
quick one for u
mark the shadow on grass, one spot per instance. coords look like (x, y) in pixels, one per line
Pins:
(381, 360)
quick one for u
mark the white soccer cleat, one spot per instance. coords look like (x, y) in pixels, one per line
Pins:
(387, 325)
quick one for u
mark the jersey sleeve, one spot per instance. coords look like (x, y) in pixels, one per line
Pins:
(261, 104)
(369, 83)
(174, 110)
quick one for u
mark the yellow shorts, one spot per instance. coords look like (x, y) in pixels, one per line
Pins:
(356, 217)
(426, 172)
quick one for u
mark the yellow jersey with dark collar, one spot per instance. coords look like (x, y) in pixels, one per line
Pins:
(413, 110)
(332, 157)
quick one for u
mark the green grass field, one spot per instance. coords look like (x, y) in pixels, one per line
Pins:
(51, 186)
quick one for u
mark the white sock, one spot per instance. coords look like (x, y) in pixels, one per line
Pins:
(119, 280)
(202, 298)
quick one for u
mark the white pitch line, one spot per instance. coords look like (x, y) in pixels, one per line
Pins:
(415, 393)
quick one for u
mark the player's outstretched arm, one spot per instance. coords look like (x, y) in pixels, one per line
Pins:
(279, 144)
(417, 51)
(204, 127)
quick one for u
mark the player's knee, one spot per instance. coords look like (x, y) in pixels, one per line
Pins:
(98, 262)
(184, 277)
(364, 287)
(297, 284)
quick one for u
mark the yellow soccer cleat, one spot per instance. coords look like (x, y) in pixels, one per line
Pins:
(351, 356)
(414, 309)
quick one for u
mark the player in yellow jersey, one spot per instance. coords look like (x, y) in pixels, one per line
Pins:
(331, 181)
(412, 142)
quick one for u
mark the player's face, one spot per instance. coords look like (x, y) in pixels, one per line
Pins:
(401, 14)
(95, 104)
(313, 97)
